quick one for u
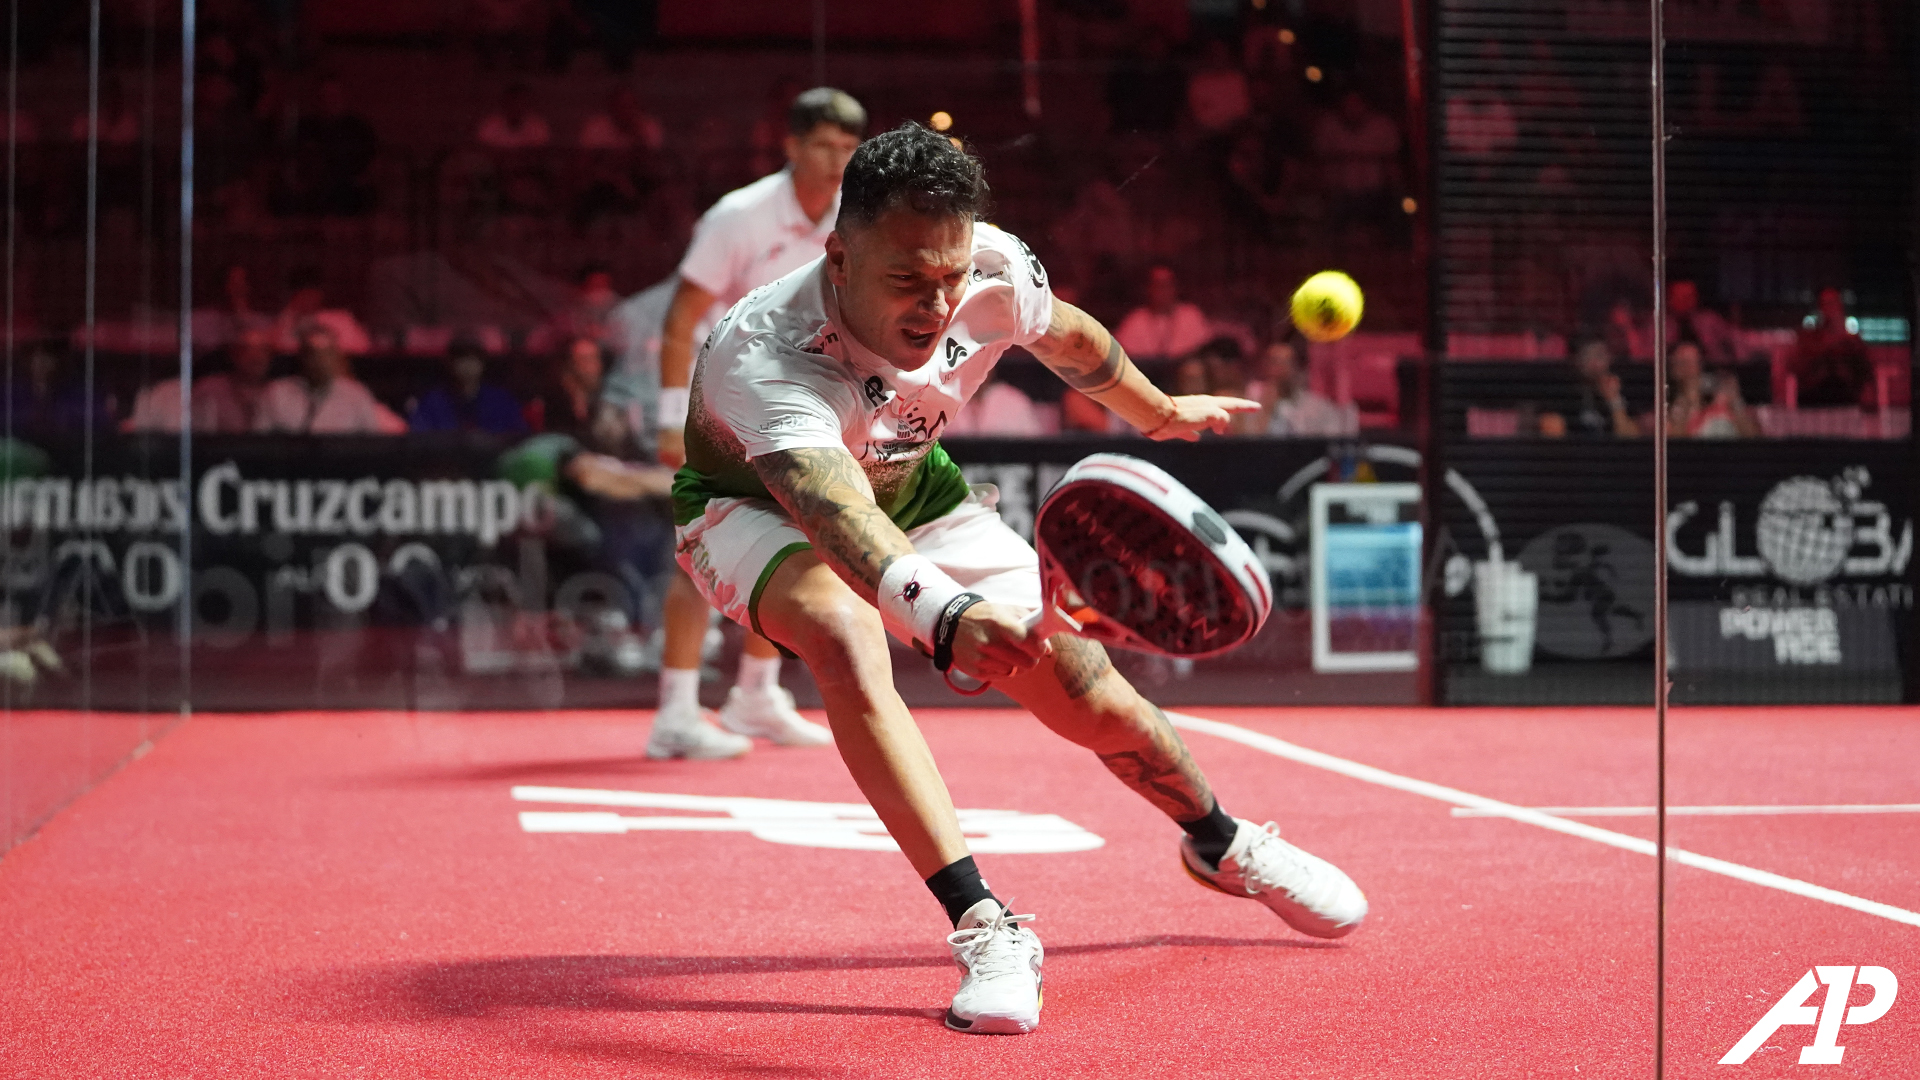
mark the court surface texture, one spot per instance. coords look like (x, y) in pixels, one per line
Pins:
(524, 895)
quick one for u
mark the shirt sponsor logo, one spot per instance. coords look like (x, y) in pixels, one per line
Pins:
(1033, 264)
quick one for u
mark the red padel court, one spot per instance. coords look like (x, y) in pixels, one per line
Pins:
(525, 895)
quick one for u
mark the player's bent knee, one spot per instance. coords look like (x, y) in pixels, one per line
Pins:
(807, 608)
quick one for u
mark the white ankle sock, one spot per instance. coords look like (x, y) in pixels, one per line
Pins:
(758, 676)
(680, 690)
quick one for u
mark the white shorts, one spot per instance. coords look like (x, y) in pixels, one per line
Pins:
(733, 549)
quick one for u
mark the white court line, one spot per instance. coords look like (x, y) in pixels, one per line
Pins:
(1357, 771)
(1701, 811)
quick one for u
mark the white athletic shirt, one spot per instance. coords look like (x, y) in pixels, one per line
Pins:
(780, 373)
(753, 235)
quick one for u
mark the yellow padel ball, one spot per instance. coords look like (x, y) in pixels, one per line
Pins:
(1327, 306)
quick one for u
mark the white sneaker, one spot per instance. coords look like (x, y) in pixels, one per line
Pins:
(679, 735)
(771, 716)
(1310, 893)
(1000, 972)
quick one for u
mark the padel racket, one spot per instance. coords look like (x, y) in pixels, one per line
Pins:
(1131, 558)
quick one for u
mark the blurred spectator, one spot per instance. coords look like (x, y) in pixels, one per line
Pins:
(1829, 363)
(1224, 360)
(224, 403)
(516, 125)
(1166, 326)
(1190, 377)
(632, 381)
(1480, 122)
(1688, 321)
(592, 307)
(1146, 89)
(1359, 153)
(574, 404)
(325, 398)
(308, 306)
(1600, 408)
(623, 126)
(333, 152)
(1702, 404)
(45, 401)
(466, 401)
(998, 409)
(1627, 333)
(1217, 94)
(1289, 407)
(222, 324)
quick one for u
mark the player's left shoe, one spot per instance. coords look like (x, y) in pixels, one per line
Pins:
(771, 715)
(1310, 893)
(999, 960)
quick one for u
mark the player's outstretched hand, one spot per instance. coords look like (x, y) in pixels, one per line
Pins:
(1195, 413)
(992, 642)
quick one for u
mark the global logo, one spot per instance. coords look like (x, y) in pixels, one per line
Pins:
(1806, 531)
(1806, 527)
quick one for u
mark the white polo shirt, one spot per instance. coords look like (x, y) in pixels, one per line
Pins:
(781, 372)
(752, 236)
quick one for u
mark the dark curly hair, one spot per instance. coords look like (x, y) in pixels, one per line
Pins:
(914, 167)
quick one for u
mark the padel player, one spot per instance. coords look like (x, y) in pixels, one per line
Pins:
(752, 236)
(817, 507)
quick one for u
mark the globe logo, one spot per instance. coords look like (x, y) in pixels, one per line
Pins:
(1805, 530)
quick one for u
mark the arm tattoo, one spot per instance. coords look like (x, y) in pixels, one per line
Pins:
(832, 502)
(1079, 664)
(1162, 771)
(1103, 377)
(1072, 350)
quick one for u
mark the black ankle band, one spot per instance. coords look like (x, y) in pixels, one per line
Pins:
(958, 887)
(1213, 834)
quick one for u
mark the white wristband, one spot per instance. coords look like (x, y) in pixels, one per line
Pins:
(671, 410)
(913, 592)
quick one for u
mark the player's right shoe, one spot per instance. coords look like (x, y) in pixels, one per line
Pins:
(1310, 893)
(685, 733)
(771, 715)
(999, 961)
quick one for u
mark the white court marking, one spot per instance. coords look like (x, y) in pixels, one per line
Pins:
(1496, 808)
(848, 826)
(1701, 811)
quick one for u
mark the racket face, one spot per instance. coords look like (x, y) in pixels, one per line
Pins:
(1156, 582)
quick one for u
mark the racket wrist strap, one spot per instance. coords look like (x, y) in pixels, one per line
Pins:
(949, 625)
(913, 594)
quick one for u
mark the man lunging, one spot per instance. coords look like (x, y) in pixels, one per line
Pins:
(817, 507)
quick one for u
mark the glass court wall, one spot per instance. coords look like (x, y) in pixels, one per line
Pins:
(415, 204)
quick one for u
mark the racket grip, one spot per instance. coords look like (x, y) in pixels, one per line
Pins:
(1050, 620)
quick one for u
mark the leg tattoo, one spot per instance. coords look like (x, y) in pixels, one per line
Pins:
(1162, 771)
(1079, 664)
